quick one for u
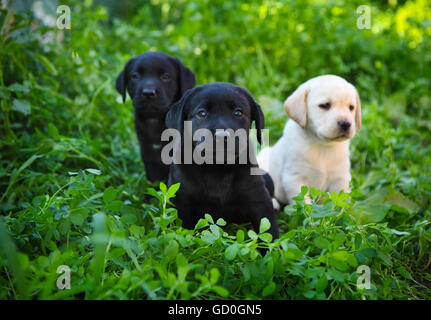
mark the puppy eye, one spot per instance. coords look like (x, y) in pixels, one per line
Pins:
(166, 77)
(351, 108)
(202, 114)
(325, 106)
(135, 75)
(237, 113)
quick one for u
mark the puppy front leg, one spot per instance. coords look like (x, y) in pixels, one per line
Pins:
(292, 187)
(339, 184)
(184, 209)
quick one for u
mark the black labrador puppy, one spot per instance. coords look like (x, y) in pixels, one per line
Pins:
(225, 190)
(154, 81)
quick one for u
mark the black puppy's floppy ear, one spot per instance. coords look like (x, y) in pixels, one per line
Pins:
(122, 79)
(256, 114)
(175, 116)
(186, 78)
(259, 119)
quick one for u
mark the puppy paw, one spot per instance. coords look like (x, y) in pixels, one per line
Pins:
(275, 205)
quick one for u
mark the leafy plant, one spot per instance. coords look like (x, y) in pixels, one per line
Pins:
(74, 191)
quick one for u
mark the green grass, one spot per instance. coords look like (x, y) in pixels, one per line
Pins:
(73, 186)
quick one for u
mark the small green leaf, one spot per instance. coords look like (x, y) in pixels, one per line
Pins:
(94, 171)
(264, 225)
(173, 190)
(163, 187)
(252, 235)
(369, 252)
(400, 233)
(128, 218)
(53, 131)
(266, 237)
(221, 222)
(321, 243)
(181, 261)
(171, 250)
(322, 283)
(240, 235)
(116, 205)
(116, 253)
(376, 206)
(385, 258)
(406, 274)
(231, 251)
(109, 194)
(77, 219)
(24, 261)
(269, 289)
(208, 237)
(47, 64)
(201, 223)
(209, 218)
(17, 87)
(340, 255)
(320, 211)
(336, 275)
(334, 197)
(244, 251)
(215, 230)
(309, 294)
(220, 291)
(22, 106)
(214, 275)
(154, 193)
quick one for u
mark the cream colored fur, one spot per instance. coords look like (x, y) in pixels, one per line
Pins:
(314, 150)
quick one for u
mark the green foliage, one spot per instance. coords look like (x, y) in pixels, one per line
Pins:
(74, 191)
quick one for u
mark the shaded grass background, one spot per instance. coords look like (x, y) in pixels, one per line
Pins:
(69, 152)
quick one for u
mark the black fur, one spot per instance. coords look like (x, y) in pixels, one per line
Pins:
(269, 184)
(225, 191)
(154, 81)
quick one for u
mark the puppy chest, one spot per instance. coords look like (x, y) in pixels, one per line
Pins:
(314, 177)
(322, 177)
(216, 193)
(231, 211)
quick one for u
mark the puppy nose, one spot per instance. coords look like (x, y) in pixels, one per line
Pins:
(344, 125)
(149, 92)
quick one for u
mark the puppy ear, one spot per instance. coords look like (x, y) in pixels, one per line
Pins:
(256, 114)
(358, 118)
(122, 79)
(259, 119)
(175, 116)
(186, 78)
(296, 105)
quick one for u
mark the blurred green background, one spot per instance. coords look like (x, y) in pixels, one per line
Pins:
(60, 116)
(270, 47)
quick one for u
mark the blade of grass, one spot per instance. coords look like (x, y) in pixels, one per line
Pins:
(10, 254)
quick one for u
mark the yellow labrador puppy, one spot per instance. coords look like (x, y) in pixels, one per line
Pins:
(324, 114)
